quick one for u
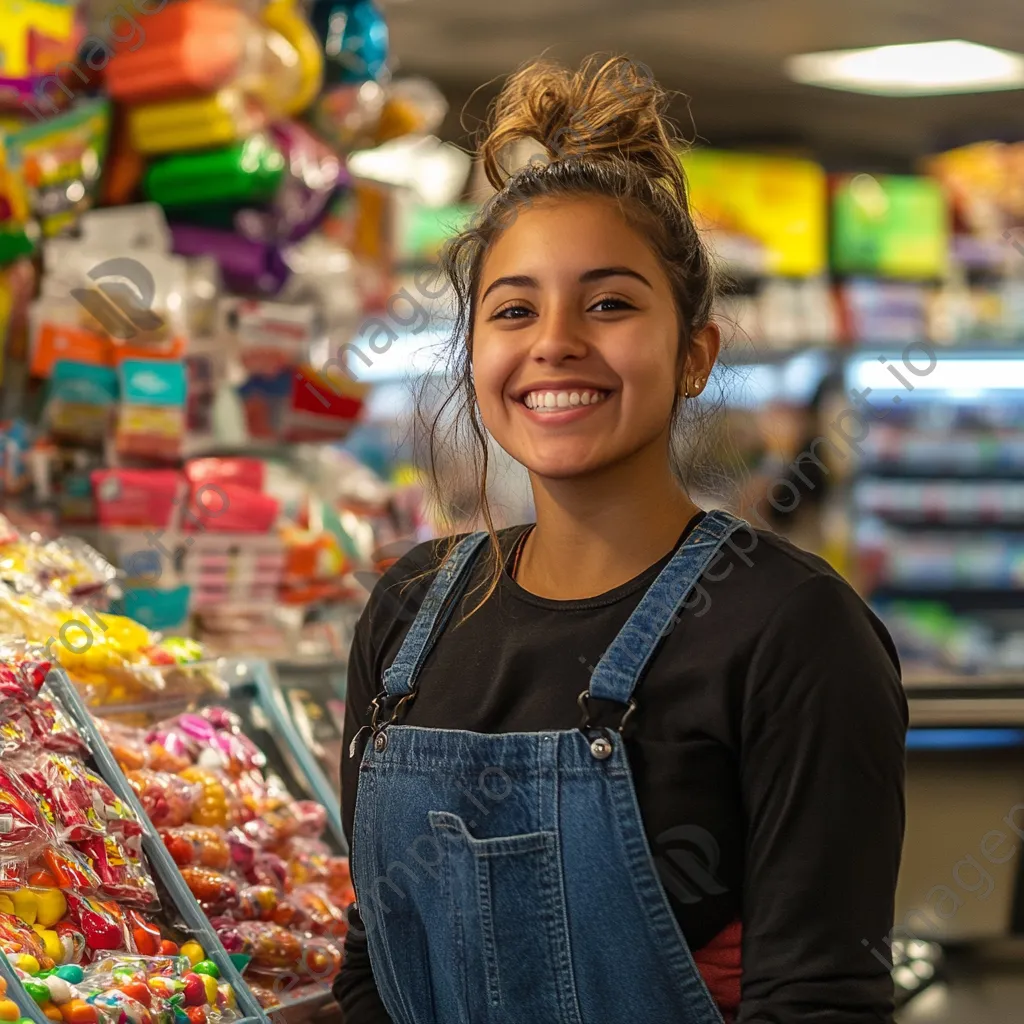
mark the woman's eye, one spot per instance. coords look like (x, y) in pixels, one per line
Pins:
(511, 313)
(610, 305)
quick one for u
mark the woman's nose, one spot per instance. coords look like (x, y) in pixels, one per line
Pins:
(560, 334)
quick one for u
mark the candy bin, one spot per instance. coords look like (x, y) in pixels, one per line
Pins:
(252, 855)
(127, 989)
(82, 922)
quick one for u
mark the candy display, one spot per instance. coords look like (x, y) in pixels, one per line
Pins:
(251, 855)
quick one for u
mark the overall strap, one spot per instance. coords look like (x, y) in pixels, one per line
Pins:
(620, 668)
(433, 615)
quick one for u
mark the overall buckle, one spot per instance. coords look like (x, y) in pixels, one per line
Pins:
(583, 700)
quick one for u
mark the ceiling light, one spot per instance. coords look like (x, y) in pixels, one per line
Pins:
(914, 69)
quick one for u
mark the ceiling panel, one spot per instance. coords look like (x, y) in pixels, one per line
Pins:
(726, 55)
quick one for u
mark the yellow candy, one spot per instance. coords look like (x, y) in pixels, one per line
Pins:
(6, 904)
(28, 963)
(210, 984)
(193, 951)
(51, 942)
(26, 905)
(9, 1010)
(51, 906)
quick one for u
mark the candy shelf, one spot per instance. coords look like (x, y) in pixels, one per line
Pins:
(27, 1006)
(60, 688)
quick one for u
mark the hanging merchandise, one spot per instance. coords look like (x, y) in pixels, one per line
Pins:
(247, 171)
(211, 74)
(354, 37)
(60, 161)
(39, 37)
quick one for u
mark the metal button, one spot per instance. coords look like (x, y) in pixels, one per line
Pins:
(601, 748)
(380, 742)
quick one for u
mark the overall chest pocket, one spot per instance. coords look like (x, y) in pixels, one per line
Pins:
(506, 906)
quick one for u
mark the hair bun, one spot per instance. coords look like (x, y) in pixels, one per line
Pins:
(607, 110)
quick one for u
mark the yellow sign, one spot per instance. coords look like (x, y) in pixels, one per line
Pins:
(778, 203)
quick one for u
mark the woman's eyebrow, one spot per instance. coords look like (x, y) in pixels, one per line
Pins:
(515, 280)
(602, 272)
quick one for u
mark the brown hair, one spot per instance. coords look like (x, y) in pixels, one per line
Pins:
(601, 132)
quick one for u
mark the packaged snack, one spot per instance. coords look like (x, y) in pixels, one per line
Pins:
(122, 872)
(249, 171)
(247, 265)
(271, 947)
(218, 119)
(318, 913)
(167, 799)
(151, 422)
(354, 36)
(142, 497)
(60, 161)
(199, 845)
(25, 830)
(103, 923)
(213, 889)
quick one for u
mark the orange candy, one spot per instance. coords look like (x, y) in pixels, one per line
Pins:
(78, 1011)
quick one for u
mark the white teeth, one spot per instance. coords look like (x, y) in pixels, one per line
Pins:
(555, 400)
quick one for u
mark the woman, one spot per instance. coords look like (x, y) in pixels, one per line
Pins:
(653, 770)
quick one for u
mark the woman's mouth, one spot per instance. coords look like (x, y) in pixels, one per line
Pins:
(548, 402)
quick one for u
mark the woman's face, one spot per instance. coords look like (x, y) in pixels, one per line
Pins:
(576, 341)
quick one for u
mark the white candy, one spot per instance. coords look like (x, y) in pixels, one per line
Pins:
(60, 990)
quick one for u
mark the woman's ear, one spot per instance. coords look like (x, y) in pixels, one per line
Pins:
(700, 358)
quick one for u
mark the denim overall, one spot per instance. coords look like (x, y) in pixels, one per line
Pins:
(506, 878)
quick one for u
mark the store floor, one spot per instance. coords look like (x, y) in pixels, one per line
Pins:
(970, 994)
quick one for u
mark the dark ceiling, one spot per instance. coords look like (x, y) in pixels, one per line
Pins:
(727, 57)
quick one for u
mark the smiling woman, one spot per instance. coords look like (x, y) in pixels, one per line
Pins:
(698, 729)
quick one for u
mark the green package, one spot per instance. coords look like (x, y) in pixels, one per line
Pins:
(245, 172)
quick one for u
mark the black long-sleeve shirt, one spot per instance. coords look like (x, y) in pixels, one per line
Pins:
(767, 752)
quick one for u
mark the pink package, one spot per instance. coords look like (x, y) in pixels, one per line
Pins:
(228, 508)
(137, 497)
(241, 472)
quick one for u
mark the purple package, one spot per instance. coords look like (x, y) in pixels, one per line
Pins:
(313, 177)
(247, 265)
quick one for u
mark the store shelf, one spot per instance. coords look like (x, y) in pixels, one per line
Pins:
(308, 1005)
(160, 860)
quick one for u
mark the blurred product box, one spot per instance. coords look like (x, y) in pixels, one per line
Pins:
(777, 203)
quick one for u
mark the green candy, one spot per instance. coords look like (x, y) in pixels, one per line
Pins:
(71, 973)
(37, 990)
(207, 967)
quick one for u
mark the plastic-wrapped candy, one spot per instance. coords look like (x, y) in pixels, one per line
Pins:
(199, 845)
(25, 830)
(167, 799)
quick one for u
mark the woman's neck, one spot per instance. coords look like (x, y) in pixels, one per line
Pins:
(596, 533)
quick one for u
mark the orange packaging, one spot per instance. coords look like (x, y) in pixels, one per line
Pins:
(192, 48)
(66, 341)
